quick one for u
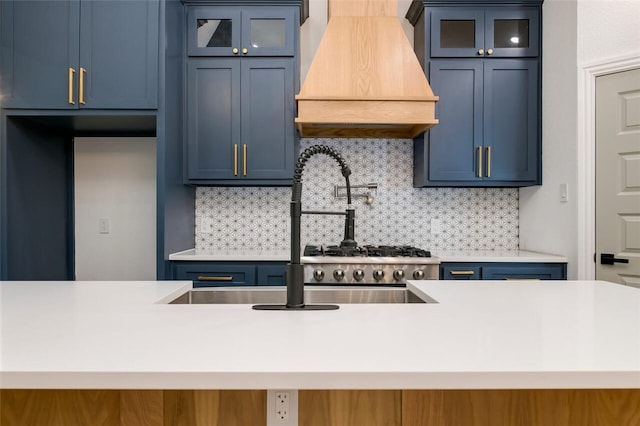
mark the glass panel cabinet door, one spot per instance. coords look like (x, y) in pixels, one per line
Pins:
(214, 32)
(251, 31)
(490, 32)
(512, 33)
(268, 31)
(457, 33)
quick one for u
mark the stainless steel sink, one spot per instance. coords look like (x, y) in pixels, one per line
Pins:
(261, 295)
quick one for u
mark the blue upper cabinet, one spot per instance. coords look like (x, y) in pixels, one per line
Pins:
(483, 62)
(240, 121)
(242, 76)
(71, 54)
(251, 31)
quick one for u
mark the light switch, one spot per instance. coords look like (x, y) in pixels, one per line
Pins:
(436, 226)
(564, 192)
(104, 225)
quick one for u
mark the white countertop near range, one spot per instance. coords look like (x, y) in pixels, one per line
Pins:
(480, 334)
(444, 256)
(233, 255)
(498, 256)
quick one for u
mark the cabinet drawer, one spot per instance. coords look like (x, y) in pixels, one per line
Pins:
(503, 271)
(457, 272)
(528, 272)
(217, 275)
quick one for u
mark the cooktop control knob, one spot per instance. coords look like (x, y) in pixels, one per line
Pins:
(338, 274)
(358, 274)
(378, 274)
(318, 274)
(418, 275)
(398, 274)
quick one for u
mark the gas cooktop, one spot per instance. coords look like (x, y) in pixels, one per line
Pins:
(367, 265)
(366, 251)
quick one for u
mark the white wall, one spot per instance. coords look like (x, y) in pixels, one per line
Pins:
(607, 29)
(115, 179)
(575, 34)
(546, 224)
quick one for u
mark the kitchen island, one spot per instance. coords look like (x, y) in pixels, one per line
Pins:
(479, 335)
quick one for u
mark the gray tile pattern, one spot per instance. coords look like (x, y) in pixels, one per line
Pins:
(258, 217)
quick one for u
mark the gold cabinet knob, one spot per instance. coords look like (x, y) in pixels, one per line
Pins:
(245, 50)
(490, 52)
(481, 52)
(235, 50)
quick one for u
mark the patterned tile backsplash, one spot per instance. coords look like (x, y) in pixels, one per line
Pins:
(258, 217)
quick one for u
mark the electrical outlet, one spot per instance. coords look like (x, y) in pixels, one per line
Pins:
(282, 407)
(205, 225)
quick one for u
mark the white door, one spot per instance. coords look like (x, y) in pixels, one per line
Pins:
(618, 178)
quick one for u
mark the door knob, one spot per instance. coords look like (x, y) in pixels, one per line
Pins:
(608, 259)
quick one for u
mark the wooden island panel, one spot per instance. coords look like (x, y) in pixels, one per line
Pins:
(552, 407)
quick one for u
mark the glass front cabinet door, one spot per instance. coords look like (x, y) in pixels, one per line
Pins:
(484, 32)
(256, 31)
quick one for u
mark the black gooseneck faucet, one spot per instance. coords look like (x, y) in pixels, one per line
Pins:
(295, 269)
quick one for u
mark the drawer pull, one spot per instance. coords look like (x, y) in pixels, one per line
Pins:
(71, 72)
(244, 160)
(205, 278)
(81, 91)
(462, 272)
(488, 161)
(235, 159)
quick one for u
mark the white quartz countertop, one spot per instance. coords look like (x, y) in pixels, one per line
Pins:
(444, 256)
(480, 334)
(498, 256)
(248, 255)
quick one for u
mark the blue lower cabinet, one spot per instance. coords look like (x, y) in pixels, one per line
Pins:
(272, 274)
(214, 274)
(503, 271)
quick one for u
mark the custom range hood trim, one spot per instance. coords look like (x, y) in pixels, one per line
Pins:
(365, 80)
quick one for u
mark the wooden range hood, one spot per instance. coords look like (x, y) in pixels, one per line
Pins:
(365, 81)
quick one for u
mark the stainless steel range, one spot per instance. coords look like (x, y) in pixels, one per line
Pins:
(367, 265)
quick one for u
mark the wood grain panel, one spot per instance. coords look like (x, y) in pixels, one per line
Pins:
(571, 407)
(141, 408)
(215, 408)
(363, 8)
(59, 407)
(349, 407)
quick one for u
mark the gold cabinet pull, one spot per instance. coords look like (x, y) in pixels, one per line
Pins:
(479, 161)
(245, 50)
(81, 88)
(462, 272)
(488, 161)
(244, 159)
(71, 73)
(481, 52)
(207, 278)
(235, 50)
(490, 52)
(235, 159)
